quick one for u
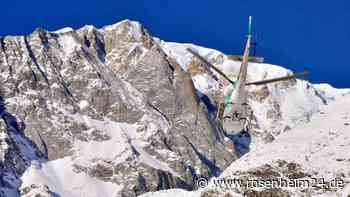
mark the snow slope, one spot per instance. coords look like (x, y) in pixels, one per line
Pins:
(321, 147)
(172, 193)
(61, 178)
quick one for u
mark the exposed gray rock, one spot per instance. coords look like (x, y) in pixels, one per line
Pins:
(117, 73)
(36, 191)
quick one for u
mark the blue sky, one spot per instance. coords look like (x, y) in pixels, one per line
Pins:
(296, 34)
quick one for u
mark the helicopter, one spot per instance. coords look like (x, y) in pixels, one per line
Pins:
(233, 113)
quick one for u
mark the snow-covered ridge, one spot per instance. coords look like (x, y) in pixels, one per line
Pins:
(135, 28)
(330, 92)
(63, 30)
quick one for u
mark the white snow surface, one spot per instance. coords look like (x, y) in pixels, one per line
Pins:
(83, 104)
(179, 52)
(330, 92)
(69, 44)
(61, 179)
(134, 29)
(114, 150)
(172, 193)
(63, 30)
(315, 145)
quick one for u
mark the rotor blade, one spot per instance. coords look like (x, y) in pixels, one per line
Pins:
(208, 65)
(296, 75)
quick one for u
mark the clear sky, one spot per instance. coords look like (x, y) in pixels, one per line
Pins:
(296, 34)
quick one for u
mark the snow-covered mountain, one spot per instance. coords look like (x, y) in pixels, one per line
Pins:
(117, 112)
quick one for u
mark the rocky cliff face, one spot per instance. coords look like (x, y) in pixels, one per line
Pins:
(100, 105)
(114, 112)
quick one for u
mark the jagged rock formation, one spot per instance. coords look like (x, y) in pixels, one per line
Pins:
(108, 102)
(36, 190)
